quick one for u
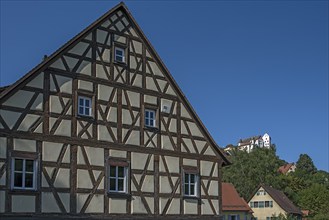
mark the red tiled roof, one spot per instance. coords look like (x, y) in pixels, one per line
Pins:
(231, 201)
(284, 169)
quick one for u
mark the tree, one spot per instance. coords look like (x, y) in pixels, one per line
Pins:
(315, 199)
(250, 169)
(305, 165)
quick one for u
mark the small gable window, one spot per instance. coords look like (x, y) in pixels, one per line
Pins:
(119, 55)
(150, 118)
(24, 173)
(84, 108)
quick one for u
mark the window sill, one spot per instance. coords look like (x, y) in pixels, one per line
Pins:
(124, 64)
(85, 117)
(153, 129)
(24, 191)
(191, 197)
(118, 195)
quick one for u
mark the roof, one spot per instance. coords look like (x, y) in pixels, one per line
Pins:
(6, 92)
(231, 201)
(281, 199)
(247, 140)
(285, 168)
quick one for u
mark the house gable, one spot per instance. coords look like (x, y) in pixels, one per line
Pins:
(41, 114)
(87, 64)
(271, 202)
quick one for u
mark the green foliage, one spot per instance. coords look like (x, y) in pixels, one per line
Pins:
(283, 217)
(307, 188)
(321, 217)
(250, 169)
(305, 165)
(315, 198)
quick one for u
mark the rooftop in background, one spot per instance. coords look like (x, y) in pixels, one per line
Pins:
(231, 200)
(287, 168)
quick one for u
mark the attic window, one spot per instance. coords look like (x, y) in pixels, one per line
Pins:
(119, 54)
(149, 118)
(84, 108)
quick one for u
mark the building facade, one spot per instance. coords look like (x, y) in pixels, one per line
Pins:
(268, 202)
(101, 130)
(249, 144)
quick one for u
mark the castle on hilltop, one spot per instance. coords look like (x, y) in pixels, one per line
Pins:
(250, 143)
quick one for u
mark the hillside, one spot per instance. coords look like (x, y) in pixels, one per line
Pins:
(307, 187)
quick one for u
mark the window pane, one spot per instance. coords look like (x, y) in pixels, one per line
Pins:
(147, 122)
(151, 115)
(186, 178)
(120, 185)
(18, 180)
(29, 180)
(112, 171)
(87, 102)
(192, 176)
(80, 101)
(118, 58)
(18, 165)
(192, 189)
(81, 110)
(146, 114)
(29, 165)
(186, 192)
(87, 111)
(121, 172)
(112, 184)
(152, 123)
(119, 52)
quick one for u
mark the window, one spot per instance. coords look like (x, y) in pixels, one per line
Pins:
(261, 204)
(23, 173)
(84, 108)
(190, 184)
(117, 176)
(267, 204)
(149, 118)
(119, 55)
(256, 204)
(271, 203)
(233, 217)
(251, 204)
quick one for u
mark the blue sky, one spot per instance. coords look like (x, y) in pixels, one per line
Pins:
(247, 67)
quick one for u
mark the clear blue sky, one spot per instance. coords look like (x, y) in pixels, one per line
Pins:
(247, 67)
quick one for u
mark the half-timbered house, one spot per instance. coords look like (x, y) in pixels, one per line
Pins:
(100, 129)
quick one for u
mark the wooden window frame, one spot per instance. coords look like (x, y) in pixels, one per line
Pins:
(113, 162)
(189, 170)
(20, 155)
(154, 119)
(84, 98)
(123, 50)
